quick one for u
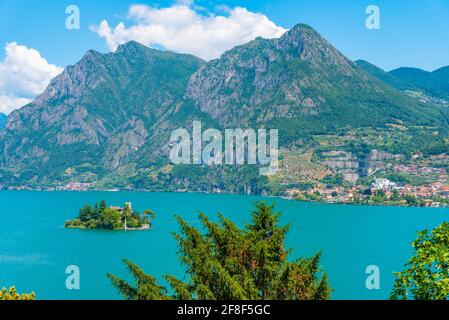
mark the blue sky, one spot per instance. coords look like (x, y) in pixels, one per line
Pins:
(413, 33)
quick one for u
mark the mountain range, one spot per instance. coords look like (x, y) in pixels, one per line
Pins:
(109, 117)
(434, 83)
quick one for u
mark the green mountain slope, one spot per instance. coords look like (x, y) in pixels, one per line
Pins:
(301, 85)
(109, 117)
(435, 83)
(96, 114)
(383, 75)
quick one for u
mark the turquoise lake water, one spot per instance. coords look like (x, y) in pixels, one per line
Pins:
(35, 249)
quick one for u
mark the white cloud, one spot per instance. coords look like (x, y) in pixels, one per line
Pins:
(9, 103)
(24, 74)
(185, 28)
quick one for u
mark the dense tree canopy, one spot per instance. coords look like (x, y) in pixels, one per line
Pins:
(231, 263)
(101, 216)
(426, 276)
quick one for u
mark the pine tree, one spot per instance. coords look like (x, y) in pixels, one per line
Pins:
(231, 263)
(146, 286)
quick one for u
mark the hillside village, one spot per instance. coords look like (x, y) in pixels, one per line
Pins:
(423, 184)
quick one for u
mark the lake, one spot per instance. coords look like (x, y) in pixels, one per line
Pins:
(35, 248)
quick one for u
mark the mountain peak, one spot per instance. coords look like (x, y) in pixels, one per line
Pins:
(298, 36)
(305, 43)
(90, 56)
(410, 70)
(300, 30)
(301, 27)
(131, 46)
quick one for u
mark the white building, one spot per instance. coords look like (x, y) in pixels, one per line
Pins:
(384, 184)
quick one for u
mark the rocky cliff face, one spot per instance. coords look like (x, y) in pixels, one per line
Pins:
(113, 110)
(99, 112)
(299, 81)
(267, 79)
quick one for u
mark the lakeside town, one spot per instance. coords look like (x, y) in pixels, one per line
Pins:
(382, 191)
(430, 188)
(328, 176)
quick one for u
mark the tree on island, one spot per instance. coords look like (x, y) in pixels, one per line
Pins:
(232, 263)
(113, 218)
(427, 274)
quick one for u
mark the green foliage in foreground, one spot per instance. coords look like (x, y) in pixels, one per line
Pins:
(231, 263)
(12, 294)
(427, 273)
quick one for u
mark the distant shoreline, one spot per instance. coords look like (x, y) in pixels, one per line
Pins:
(236, 194)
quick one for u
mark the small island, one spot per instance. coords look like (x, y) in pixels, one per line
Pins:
(101, 216)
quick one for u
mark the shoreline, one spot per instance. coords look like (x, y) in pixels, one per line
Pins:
(442, 206)
(143, 228)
